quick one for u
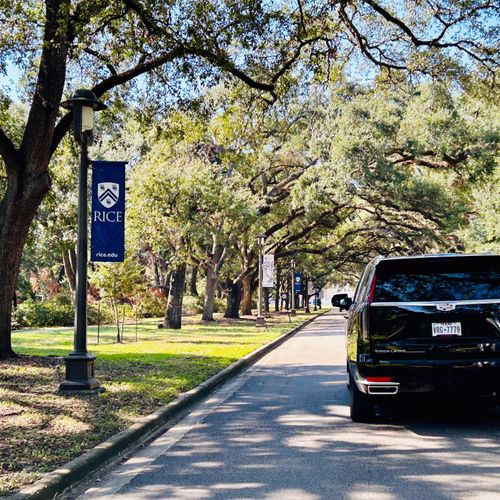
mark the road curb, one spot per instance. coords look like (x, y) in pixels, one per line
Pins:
(71, 473)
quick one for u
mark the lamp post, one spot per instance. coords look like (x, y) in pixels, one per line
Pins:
(306, 295)
(80, 363)
(261, 238)
(292, 294)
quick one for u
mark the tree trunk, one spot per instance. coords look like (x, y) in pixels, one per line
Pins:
(15, 218)
(173, 313)
(69, 260)
(266, 299)
(246, 301)
(210, 284)
(192, 282)
(233, 300)
(27, 167)
(117, 319)
(123, 322)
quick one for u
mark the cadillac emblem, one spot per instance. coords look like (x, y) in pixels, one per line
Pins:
(445, 307)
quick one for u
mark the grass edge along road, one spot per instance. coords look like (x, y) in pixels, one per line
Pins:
(40, 429)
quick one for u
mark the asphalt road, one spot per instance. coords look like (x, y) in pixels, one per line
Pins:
(281, 430)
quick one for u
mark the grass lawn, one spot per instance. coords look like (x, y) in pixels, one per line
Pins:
(40, 429)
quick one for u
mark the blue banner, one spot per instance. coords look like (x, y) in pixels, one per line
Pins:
(108, 211)
(297, 282)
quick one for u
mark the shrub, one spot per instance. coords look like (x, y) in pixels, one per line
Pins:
(62, 299)
(192, 304)
(150, 307)
(50, 313)
(220, 305)
(104, 315)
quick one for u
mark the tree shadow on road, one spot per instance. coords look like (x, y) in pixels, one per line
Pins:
(296, 440)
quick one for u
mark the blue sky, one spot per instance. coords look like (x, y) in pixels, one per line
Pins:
(9, 83)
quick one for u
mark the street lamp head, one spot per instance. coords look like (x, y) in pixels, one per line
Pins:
(261, 238)
(292, 263)
(83, 103)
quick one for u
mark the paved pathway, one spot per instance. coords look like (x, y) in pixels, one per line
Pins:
(281, 431)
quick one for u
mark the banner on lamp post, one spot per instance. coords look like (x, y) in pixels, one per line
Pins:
(268, 270)
(297, 284)
(108, 211)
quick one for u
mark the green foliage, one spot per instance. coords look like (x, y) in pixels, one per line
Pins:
(219, 305)
(57, 312)
(160, 56)
(102, 315)
(51, 313)
(333, 176)
(118, 280)
(342, 174)
(194, 305)
(150, 307)
(482, 233)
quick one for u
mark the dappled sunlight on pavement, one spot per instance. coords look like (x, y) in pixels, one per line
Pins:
(282, 430)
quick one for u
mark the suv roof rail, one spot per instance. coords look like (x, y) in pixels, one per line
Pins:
(434, 255)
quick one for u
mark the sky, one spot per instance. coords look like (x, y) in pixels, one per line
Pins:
(9, 83)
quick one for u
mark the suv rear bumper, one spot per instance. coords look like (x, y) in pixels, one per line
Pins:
(472, 377)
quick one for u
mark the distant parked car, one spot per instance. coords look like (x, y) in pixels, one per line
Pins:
(423, 324)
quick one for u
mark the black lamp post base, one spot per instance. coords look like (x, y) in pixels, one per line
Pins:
(80, 375)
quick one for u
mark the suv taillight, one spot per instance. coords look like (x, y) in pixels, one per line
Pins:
(379, 379)
(372, 289)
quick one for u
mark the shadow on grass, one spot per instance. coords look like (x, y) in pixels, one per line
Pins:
(42, 429)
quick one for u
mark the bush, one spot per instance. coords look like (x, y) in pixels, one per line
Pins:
(150, 307)
(194, 305)
(104, 315)
(220, 305)
(50, 313)
(62, 299)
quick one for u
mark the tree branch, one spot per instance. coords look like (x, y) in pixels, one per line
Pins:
(101, 58)
(113, 81)
(8, 151)
(363, 44)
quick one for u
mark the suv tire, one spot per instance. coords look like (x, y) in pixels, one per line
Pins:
(362, 407)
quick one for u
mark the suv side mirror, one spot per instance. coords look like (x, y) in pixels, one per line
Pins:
(342, 301)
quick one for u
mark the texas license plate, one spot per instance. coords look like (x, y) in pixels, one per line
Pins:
(439, 329)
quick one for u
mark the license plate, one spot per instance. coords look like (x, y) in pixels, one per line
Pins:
(439, 329)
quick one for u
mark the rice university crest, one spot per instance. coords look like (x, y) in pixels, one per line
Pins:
(108, 193)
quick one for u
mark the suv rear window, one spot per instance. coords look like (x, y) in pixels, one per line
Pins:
(456, 278)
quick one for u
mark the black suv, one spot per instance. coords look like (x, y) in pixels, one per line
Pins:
(423, 324)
